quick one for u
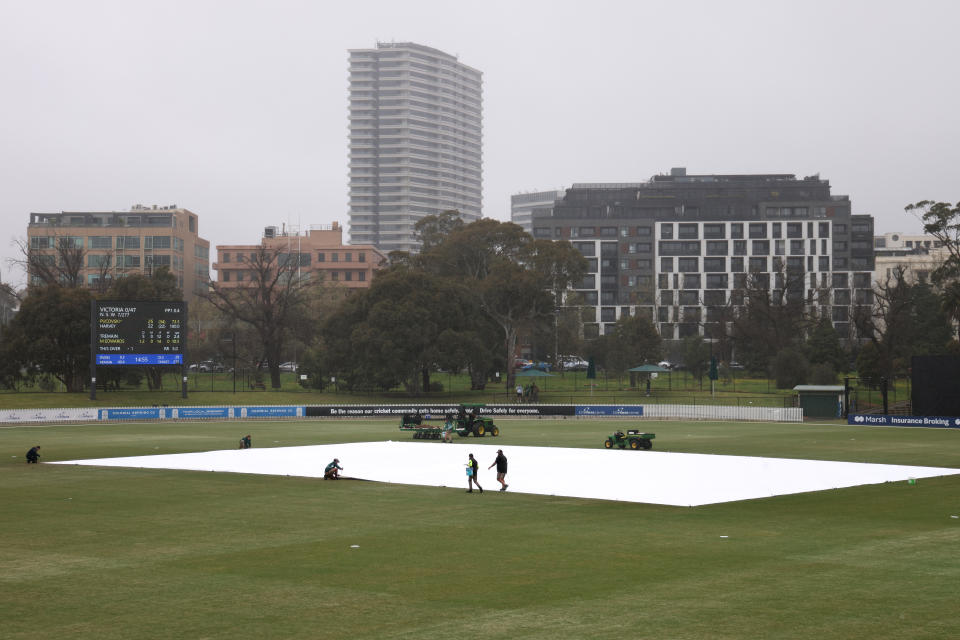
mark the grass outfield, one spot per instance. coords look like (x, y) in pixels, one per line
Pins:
(119, 553)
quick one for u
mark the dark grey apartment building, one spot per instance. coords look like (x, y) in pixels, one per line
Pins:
(684, 249)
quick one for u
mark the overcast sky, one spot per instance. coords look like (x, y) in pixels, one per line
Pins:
(237, 110)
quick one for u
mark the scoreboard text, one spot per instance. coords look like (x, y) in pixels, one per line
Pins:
(139, 333)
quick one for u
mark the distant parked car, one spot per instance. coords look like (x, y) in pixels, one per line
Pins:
(665, 364)
(735, 365)
(542, 366)
(521, 363)
(210, 366)
(289, 367)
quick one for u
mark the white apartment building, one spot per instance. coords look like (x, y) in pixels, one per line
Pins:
(415, 141)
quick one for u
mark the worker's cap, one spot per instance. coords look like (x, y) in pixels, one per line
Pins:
(336, 459)
(499, 450)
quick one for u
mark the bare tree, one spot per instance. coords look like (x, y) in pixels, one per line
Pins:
(61, 260)
(273, 300)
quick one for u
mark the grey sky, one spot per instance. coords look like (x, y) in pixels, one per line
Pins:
(237, 110)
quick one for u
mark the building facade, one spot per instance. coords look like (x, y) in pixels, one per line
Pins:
(118, 243)
(320, 254)
(917, 256)
(415, 141)
(684, 249)
(522, 206)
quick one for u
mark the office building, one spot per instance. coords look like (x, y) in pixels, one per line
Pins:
(118, 243)
(916, 256)
(415, 142)
(683, 249)
(319, 254)
(522, 206)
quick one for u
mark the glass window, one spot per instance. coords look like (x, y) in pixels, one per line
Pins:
(714, 264)
(794, 229)
(761, 247)
(100, 242)
(736, 264)
(776, 230)
(666, 231)
(714, 231)
(666, 264)
(796, 247)
(758, 230)
(739, 247)
(736, 230)
(361, 256)
(687, 231)
(691, 281)
(685, 265)
(716, 281)
(823, 229)
(716, 247)
(334, 257)
(758, 264)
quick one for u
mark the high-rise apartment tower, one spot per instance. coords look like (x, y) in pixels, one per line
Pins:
(415, 141)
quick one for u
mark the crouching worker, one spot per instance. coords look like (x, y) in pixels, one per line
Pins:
(332, 472)
(246, 442)
(33, 456)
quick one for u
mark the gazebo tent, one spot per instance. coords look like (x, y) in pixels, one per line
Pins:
(653, 368)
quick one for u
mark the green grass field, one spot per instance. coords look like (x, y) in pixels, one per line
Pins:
(118, 553)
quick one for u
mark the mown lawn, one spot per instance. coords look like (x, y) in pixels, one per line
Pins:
(119, 553)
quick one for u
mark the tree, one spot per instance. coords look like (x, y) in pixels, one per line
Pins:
(696, 356)
(790, 368)
(431, 231)
(273, 302)
(515, 280)
(633, 341)
(942, 221)
(906, 320)
(65, 265)
(391, 332)
(771, 320)
(51, 335)
(823, 346)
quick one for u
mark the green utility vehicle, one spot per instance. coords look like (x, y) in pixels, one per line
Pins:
(633, 438)
(469, 421)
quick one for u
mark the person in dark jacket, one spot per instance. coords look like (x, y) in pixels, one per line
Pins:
(33, 456)
(332, 471)
(501, 463)
(473, 467)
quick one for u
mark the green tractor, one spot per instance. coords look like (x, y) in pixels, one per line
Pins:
(633, 439)
(470, 422)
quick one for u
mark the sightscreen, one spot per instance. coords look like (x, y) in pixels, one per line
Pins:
(139, 333)
(934, 385)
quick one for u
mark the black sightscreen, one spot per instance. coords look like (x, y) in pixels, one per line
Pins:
(936, 385)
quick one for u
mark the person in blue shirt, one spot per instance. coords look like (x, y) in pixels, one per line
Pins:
(473, 467)
(332, 472)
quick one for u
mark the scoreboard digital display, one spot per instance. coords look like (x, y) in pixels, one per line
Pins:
(139, 333)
